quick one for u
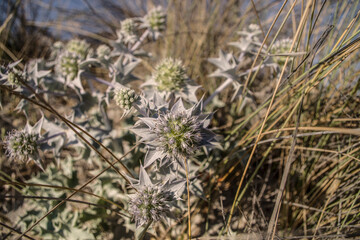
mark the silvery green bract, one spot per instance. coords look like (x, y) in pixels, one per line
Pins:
(174, 134)
(248, 41)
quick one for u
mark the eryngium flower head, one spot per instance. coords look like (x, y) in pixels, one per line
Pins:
(127, 33)
(78, 47)
(170, 75)
(152, 202)
(281, 47)
(69, 65)
(128, 26)
(125, 97)
(156, 19)
(174, 134)
(170, 79)
(14, 78)
(21, 145)
(103, 51)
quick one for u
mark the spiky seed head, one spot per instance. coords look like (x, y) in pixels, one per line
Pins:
(150, 203)
(78, 47)
(21, 145)
(128, 26)
(178, 133)
(156, 19)
(170, 75)
(103, 51)
(69, 65)
(125, 97)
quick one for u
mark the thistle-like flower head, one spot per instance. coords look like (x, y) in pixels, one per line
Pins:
(170, 78)
(14, 78)
(103, 52)
(69, 65)
(23, 145)
(281, 46)
(128, 26)
(157, 19)
(152, 202)
(174, 134)
(125, 97)
(78, 47)
(128, 31)
(170, 75)
(10, 75)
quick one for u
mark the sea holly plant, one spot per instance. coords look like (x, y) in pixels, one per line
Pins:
(173, 135)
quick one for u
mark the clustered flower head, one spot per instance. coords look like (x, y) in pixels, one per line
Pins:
(69, 65)
(127, 33)
(178, 133)
(151, 202)
(78, 47)
(174, 134)
(125, 97)
(156, 19)
(103, 51)
(13, 78)
(279, 47)
(21, 145)
(128, 26)
(170, 75)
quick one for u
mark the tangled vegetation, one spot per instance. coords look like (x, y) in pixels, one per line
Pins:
(187, 119)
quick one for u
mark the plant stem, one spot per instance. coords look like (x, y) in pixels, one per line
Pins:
(141, 39)
(188, 196)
